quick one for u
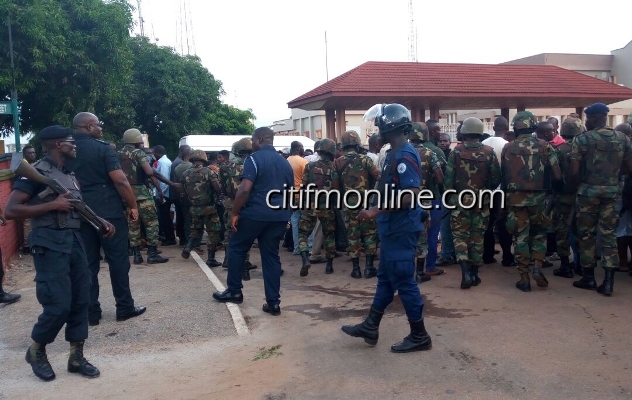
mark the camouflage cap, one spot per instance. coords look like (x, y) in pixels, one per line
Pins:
(571, 127)
(524, 120)
(244, 144)
(420, 132)
(198, 155)
(350, 138)
(328, 146)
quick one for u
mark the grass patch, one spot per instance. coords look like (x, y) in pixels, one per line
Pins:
(267, 352)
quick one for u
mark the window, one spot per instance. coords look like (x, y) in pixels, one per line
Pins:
(611, 120)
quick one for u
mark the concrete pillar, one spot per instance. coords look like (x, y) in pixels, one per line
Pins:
(579, 111)
(418, 114)
(341, 124)
(330, 124)
(434, 113)
(505, 113)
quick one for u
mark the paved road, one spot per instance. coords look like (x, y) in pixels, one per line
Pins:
(490, 342)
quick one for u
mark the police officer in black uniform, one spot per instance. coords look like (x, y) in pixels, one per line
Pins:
(61, 269)
(104, 187)
(398, 230)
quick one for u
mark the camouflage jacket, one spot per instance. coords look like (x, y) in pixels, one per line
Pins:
(355, 172)
(563, 156)
(601, 153)
(198, 186)
(217, 170)
(132, 160)
(323, 175)
(429, 162)
(472, 166)
(229, 178)
(431, 184)
(524, 167)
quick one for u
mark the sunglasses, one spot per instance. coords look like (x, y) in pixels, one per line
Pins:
(71, 141)
(100, 124)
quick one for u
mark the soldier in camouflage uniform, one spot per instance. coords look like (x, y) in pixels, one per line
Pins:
(357, 172)
(523, 169)
(598, 157)
(138, 171)
(471, 166)
(230, 173)
(431, 178)
(323, 176)
(202, 187)
(564, 197)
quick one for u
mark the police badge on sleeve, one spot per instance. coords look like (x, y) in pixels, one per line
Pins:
(401, 168)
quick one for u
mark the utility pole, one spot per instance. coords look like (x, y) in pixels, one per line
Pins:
(141, 21)
(326, 58)
(14, 93)
(412, 46)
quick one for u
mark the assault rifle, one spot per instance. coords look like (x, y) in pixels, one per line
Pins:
(23, 169)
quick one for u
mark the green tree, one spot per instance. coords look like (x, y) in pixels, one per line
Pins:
(70, 56)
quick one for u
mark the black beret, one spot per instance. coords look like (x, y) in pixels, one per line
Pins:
(55, 132)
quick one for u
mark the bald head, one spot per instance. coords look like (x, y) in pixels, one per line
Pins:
(501, 126)
(624, 128)
(375, 143)
(83, 118)
(262, 137)
(87, 123)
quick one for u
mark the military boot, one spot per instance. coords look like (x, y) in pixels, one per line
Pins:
(306, 263)
(250, 265)
(420, 275)
(608, 282)
(138, 258)
(245, 272)
(588, 280)
(78, 363)
(210, 259)
(524, 283)
(538, 276)
(329, 269)
(153, 257)
(225, 263)
(356, 272)
(36, 356)
(466, 279)
(474, 275)
(186, 252)
(369, 269)
(368, 330)
(564, 270)
(578, 269)
(418, 339)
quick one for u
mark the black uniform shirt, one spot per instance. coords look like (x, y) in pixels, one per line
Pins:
(95, 160)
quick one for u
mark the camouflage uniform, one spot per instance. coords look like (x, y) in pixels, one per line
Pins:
(132, 160)
(197, 182)
(357, 172)
(601, 153)
(523, 169)
(429, 162)
(323, 175)
(564, 197)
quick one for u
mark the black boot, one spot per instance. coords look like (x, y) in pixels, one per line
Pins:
(138, 258)
(537, 274)
(225, 263)
(36, 356)
(250, 265)
(524, 283)
(329, 269)
(474, 275)
(368, 330)
(369, 269)
(578, 269)
(306, 263)
(608, 282)
(588, 280)
(78, 363)
(420, 275)
(356, 272)
(417, 340)
(245, 272)
(466, 279)
(187, 249)
(7, 297)
(210, 259)
(564, 270)
(153, 257)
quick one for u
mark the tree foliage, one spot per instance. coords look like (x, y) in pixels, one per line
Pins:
(77, 55)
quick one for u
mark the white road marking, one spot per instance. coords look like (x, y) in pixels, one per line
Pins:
(235, 312)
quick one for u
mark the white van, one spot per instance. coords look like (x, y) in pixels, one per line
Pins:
(225, 142)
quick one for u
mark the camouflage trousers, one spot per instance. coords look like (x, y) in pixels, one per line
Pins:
(559, 221)
(468, 231)
(307, 223)
(147, 214)
(595, 213)
(361, 235)
(421, 251)
(528, 225)
(205, 217)
(228, 211)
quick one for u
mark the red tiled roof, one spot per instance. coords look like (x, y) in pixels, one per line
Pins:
(460, 86)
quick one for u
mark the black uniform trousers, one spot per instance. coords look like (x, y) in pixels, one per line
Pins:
(505, 239)
(167, 222)
(62, 286)
(115, 249)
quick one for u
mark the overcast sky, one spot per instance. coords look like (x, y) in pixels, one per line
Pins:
(268, 52)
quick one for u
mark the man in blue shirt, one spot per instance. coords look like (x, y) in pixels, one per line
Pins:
(398, 229)
(259, 213)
